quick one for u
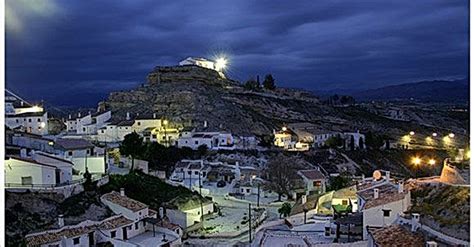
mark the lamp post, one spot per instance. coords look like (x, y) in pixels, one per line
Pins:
(200, 193)
(250, 223)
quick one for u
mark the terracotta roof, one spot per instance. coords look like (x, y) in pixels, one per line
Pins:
(312, 174)
(55, 236)
(113, 223)
(124, 201)
(387, 193)
(395, 235)
(72, 143)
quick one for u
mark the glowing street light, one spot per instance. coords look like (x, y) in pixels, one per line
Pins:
(435, 134)
(416, 160)
(221, 64)
(165, 122)
(284, 128)
(431, 161)
(451, 135)
(42, 124)
(412, 133)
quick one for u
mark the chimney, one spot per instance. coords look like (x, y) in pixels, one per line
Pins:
(122, 191)
(21, 103)
(205, 124)
(415, 222)
(162, 212)
(89, 112)
(154, 115)
(60, 220)
(70, 116)
(431, 244)
(376, 193)
(400, 187)
(79, 114)
(387, 175)
(303, 199)
(128, 116)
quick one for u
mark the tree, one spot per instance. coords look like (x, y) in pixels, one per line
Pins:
(269, 82)
(334, 142)
(373, 141)
(352, 143)
(132, 145)
(202, 150)
(285, 209)
(252, 84)
(339, 182)
(88, 184)
(281, 174)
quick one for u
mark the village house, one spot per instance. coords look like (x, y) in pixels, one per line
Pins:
(212, 140)
(25, 117)
(381, 204)
(355, 138)
(31, 141)
(314, 180)
(81, 153)
(26, 171)
(87, 124)
(133, 225)
(186, 212)
(190, 171)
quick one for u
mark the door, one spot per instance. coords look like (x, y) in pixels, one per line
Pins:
(58, 176)
(124, 233)
(91, 239)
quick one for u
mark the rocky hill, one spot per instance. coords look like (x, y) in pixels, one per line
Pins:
(192, 95)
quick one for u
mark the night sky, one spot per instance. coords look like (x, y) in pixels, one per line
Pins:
(75, 52)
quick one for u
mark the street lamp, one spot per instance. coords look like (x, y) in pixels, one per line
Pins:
(434, 134)
(416, 161)
(221, 64)
(284, 128)
(412, 133)
(451, 135)
(431, 161)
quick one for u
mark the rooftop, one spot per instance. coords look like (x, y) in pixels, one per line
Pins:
(312, 174)
(387, 193)
(72, 144)
(395, 235)
(124, 201)
(112, 223)
(56, 235)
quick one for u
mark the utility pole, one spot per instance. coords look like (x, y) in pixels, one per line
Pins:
(200, 193)
(250, 223)
(258, 195)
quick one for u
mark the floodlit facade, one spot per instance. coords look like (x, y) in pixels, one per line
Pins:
(198, 61)
(25, 117)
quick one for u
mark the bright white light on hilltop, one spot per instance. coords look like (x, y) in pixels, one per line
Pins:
(221, 64)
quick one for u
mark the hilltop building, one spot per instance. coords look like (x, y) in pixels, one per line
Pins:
(25, 117)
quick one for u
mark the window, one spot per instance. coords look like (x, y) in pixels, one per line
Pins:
(138, 123)
(39, 119)
(76, 241)
(196, 172)
(154, 136)
(189, 172)
(164, 137)
(344, 202)
(69, 153)
(386, 212)
(29, 120)
(84, 129)
(17, 121)
(87, 151)
(144, 223)
(113, 234)
(136, 225)
(139, 213)
(248, 190)
(196, 142)
(316, 183)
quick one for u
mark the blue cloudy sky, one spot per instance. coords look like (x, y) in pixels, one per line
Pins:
(75, 52)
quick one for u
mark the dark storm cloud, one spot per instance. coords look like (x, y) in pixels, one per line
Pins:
(75, 52)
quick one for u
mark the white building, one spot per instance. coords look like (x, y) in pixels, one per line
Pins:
(190, 171)
(356, 137)
(381, 204)
(87, 124)
(189, 213)
(314, 181)
(198, 61)
(133, 225)
(212, 140)
(24, 116)
(26, 171)
(81, 153)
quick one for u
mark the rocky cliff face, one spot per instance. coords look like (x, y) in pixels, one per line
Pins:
(192, 95)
